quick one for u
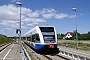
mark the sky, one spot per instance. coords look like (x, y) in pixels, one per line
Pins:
(56, 13)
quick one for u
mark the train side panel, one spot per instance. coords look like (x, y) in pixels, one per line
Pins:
(41, 44)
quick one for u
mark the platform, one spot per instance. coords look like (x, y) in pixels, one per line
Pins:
(74, 53)
(12, 52)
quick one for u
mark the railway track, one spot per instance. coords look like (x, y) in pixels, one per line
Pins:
(55, 57)
(36, 56)
(62, 57)
(47, 57)
(3, 46)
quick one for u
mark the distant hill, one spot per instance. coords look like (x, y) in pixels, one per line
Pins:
(2, 35)
(5, 39)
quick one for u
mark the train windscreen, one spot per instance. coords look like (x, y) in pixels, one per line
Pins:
(49, 37)
(47, 29)
(48, 34)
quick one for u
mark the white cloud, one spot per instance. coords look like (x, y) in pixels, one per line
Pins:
(81, 14)
(29, 24)
(10, 23)
(34, 14)
(63, 15)
(8, 12)
(1, 30)
(33, 20)
(10, 16)
(8, 29)
(48, 13)
(24, 27)
(26, 10)
(37, 21)
(5, 29)
(47, 16)
(13, 0)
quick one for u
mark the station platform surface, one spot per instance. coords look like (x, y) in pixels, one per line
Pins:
(12, 52)
(81, 53)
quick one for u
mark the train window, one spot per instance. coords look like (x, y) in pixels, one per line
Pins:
(47, 29)
(49, 37)
(35, 38)
(29, 38)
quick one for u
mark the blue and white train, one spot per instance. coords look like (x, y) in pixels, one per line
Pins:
(42, 38)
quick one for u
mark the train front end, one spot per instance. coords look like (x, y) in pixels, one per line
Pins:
(48, 40)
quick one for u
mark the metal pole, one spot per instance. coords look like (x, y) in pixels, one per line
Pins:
(26, 37)
(74, 9)
(19, 3)
(76, 32)
(20, 31)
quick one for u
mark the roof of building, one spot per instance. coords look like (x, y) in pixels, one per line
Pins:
(69, 33)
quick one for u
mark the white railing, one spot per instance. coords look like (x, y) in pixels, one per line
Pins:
(25, 54)
(73, 56)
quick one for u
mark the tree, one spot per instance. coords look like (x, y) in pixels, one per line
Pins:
(74, 35)
(58, 36)
(62, 35)
(88, 35)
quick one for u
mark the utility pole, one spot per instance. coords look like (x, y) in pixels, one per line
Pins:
(20, 4)
(74, 9)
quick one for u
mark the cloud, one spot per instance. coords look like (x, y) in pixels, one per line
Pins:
(48, 13)
(33, 21)
(29, 24)
(9, 12)
(9, 23)
(5, 29)
(34, 14)
(1, 30)
(13, 0)
(63, 15)
(8, 29)
(10, 16)
(81, 14)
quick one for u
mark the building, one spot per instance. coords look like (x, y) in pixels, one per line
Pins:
(68, 35)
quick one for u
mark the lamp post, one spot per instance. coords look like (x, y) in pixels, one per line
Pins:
(74, 9)
(19, 3)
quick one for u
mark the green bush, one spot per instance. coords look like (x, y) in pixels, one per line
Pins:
(4, 39)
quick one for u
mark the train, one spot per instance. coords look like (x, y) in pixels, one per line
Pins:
(42, 39)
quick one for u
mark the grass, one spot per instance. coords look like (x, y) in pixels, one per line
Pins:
(81, 46)
(4, 39)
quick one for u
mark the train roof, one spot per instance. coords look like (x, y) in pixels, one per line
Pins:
(36, 27)
(46, 26)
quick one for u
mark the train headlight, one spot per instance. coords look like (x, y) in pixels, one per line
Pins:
(51, 46)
